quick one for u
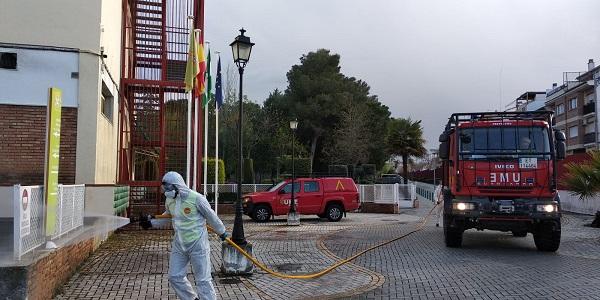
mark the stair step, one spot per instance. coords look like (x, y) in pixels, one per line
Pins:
(149, 11)
(150, 66)
(149, 59)
(146, 39)
(148, 18)
(149, 32)
(157, 4)
(142, 25)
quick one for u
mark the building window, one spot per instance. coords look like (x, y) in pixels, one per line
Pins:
(560, 109)
(573, 132)
(573, 104)
(106, 102)
(8, 60)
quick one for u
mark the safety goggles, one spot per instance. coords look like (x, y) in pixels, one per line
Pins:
(167, 187)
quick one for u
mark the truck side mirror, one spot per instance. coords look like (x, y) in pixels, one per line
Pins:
(444, 146)
(444, 150)
(559, 136)
(561, 148)
(281, 191)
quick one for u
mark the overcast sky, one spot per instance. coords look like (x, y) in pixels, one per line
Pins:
(424, 58)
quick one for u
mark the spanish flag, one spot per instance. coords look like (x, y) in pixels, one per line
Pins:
(196, 66)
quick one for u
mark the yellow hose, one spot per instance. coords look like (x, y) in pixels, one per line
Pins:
(332, 267)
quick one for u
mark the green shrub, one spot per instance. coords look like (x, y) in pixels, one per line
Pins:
(211, 171)
(301, 166)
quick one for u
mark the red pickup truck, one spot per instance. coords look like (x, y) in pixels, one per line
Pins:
(326, 197)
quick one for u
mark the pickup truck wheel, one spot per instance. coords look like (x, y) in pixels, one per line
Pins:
(261, 213)
(452, 235)
(547, 237)
(519, 233)
(334, 212)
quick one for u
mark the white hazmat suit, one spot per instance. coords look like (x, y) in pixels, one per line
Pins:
(190, 212)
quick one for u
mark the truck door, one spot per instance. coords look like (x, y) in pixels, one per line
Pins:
(311, 197)
(284, 196)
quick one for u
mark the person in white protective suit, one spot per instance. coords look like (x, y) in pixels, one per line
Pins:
(190, 212)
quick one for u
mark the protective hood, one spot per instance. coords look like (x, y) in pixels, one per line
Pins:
(175, 179)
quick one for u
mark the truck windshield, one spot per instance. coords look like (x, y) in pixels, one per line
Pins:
(504, 142)
(276, 187)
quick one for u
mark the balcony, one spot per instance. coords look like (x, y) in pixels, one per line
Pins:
(588, 138)
(589, 108)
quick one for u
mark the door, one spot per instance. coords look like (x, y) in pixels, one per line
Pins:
(311, 197)
(284, 196)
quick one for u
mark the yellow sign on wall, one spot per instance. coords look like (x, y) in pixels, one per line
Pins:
(52, 158)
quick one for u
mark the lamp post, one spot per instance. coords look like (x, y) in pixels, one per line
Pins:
(293, 217)
(233, 262)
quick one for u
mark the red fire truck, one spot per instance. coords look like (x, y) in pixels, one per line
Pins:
(500, 174)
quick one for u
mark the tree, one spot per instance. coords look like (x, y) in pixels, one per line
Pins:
(350, 142)
(584, 179)
(405, 139)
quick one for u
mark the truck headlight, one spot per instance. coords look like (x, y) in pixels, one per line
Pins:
(462, 206)
(246, 200)
(548, 208)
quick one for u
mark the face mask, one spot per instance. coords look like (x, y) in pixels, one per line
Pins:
(171, 194)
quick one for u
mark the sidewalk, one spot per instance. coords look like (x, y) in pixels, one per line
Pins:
(133, 263)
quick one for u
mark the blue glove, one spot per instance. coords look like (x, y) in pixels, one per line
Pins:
(224, 236)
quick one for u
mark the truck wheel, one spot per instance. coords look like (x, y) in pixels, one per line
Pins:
(334, 212)
(547, 237)
(452, 235)
(261, 213)
(519, 233)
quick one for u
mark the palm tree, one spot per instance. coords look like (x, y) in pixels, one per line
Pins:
(584, 179)
(405, 138)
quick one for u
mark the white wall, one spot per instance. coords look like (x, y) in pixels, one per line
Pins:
(7, 209)
(572, 203)
(61, 23)
(99, 200)
(37, 70)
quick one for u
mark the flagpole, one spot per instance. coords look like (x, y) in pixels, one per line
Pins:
(216, 156)
(218, 100)
(189, 121)
(205, 107)
(196, 124)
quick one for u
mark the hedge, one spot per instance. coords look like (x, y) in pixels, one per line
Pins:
(211, 171)
(248, 171)
(301, 165)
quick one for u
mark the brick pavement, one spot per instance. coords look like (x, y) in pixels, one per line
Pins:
(133, 263)
(491, 265)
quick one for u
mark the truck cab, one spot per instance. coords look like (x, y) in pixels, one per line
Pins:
(325, 197)
(499, 173)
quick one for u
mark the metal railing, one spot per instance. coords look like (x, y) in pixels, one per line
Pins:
(29, 215)
(427, 191)
(386, 193)
(232, 188)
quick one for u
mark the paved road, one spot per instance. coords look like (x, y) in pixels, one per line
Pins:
(491, 265)
(133, 263)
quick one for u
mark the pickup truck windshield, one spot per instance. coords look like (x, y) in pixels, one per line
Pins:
(504, 142)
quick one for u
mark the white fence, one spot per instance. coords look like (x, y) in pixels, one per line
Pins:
(572, 203)
(402, 195)
(29, 215)
(428, 191)
(232, 188)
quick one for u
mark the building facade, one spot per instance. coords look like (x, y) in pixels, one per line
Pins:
(575, 106)
(75, 46)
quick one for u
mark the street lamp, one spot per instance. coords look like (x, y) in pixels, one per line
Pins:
(233, 262)
(293, 217)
